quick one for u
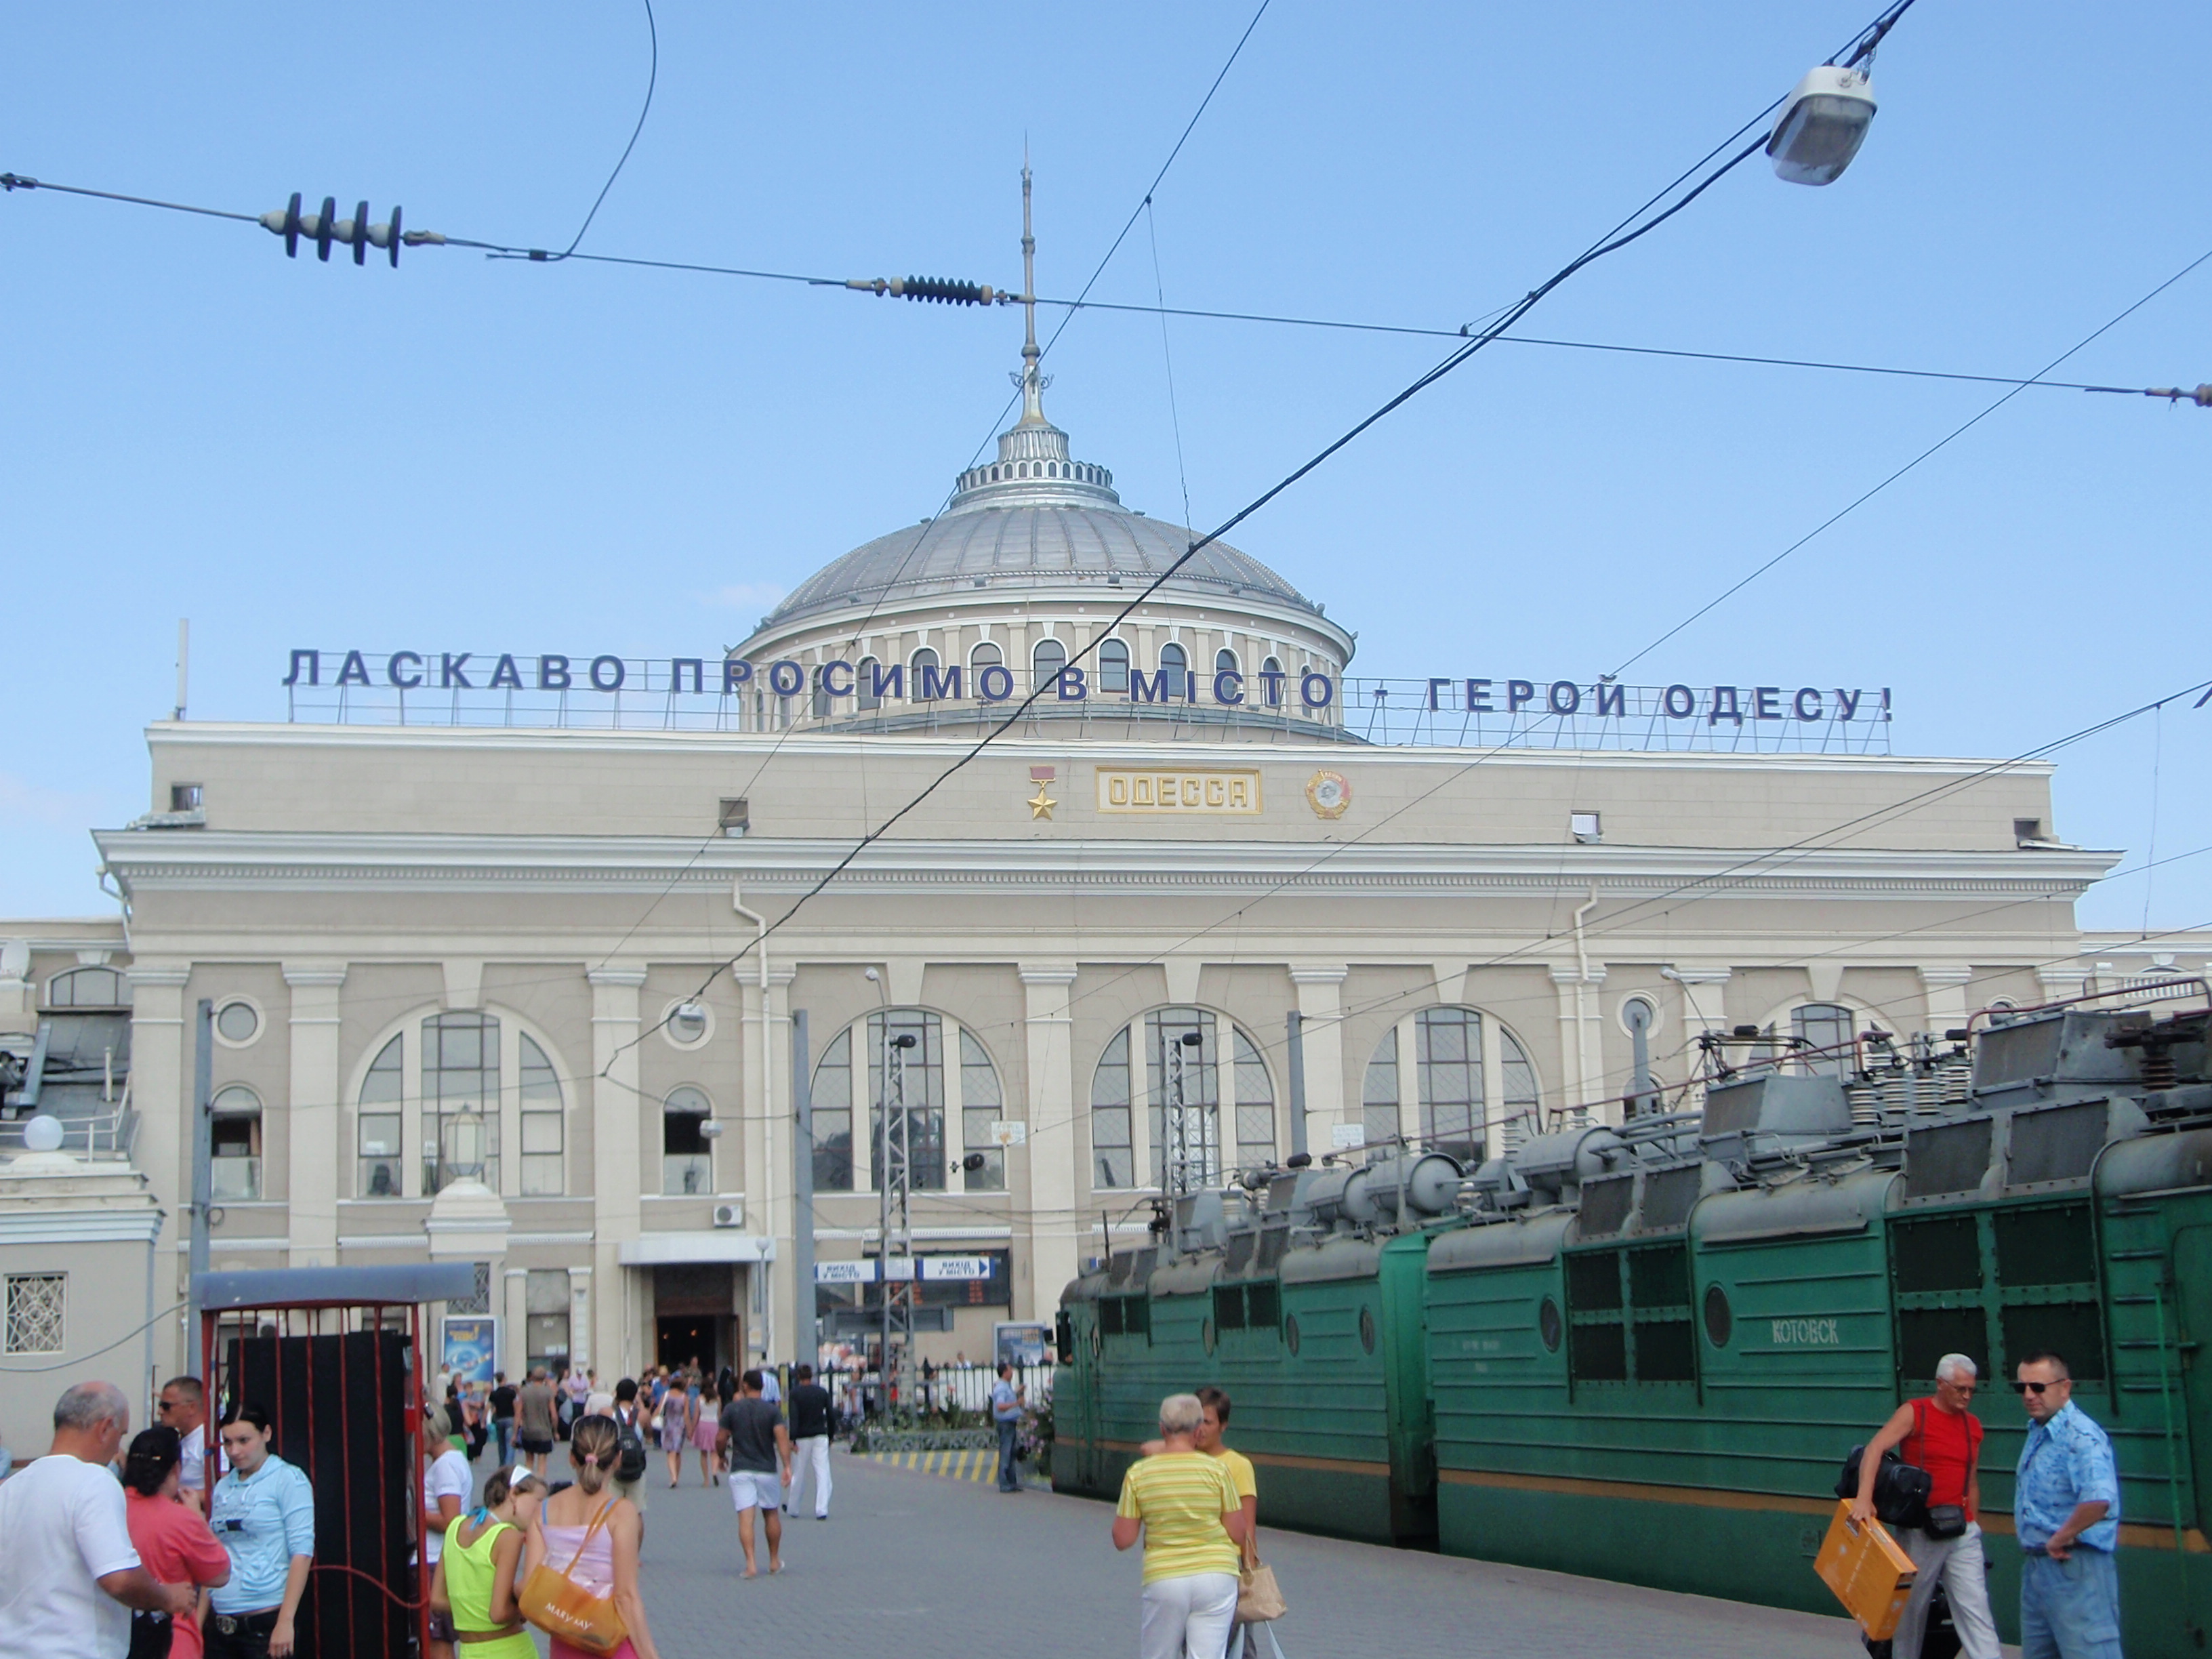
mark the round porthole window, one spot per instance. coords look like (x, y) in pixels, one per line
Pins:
(1547, 1325)
(1290, 1333)
(1720, 1318)
(1205, 1334)
(687, 1024)
(1367, 1329)
(237, 1024)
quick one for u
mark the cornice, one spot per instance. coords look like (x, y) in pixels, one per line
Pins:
(209, 860)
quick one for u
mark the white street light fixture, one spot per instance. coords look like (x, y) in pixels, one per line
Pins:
(1822, 126)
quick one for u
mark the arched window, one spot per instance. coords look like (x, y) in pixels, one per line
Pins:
(460, 1100)
(920, 1075)
(544, 1122)
(1182, 1088)
(1175, 664)
(1046, 658)
(88, 987)
(986, 655)
(925, 657)
(1824, 1025)
(687, 1160)
(863, 684)
(1114, 666)
(820, 697)
(1225, 661)
(1272, 688)
(235, 1166)
(383, 1093)
(1450, 1087)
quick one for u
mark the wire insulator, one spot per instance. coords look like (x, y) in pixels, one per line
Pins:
(941, 290)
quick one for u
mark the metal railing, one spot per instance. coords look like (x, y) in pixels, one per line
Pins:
(105, 1138)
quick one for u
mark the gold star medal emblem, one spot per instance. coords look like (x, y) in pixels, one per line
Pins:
(1041, 803)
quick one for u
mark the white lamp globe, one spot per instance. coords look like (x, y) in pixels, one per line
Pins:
(43, 1134)
(1823, 124)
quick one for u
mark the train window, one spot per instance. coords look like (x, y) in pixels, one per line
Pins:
(1548, 1325)
(1367, 1329)
(1137, 1316)
(1263, 1305)
(1924, 1336)
(1063, 1337)
(1665, 1352)
(1720, 1318)
(1943, 1253)
(1228, 1307)
(2075, 1329)
(2055, 1245)
(1599, 1354)
(1594, 1281)
(1659, 1277)
(1290, 1333)
(1109, 1315)
(1659, 1292)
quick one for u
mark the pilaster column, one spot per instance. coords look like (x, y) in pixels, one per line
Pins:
(580, 1321)
(313, 1112)
(1578, 1036)
(514, 1351)
(1055, 1164)
(1320, 990)
(1945, 991)
(161, 1089)
(616, 1120)
(776, 1336)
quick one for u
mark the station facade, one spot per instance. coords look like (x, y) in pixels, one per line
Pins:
(508, 995)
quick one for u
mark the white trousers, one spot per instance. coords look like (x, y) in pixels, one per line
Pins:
(1187, 1617)
(1956, 1564)
(810, 1454)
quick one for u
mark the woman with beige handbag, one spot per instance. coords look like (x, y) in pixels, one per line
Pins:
(1259, 1601)
(580, 1582)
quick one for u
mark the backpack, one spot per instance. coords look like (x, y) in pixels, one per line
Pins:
(629, 1449)
(1900, 1489)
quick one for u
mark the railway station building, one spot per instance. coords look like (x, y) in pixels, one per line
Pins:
(485, 941)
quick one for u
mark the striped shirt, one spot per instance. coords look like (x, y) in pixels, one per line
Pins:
(1181, 1498)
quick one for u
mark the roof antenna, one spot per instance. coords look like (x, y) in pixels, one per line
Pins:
(1031, 382)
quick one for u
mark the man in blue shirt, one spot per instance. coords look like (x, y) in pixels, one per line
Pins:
(1007, 1413)
(2066, 1509)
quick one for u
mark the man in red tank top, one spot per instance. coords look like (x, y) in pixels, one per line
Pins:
(1939, 1434)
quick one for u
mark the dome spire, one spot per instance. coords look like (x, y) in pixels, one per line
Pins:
(1031, 380)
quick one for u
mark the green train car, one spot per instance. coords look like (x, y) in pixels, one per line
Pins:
(1641, 1353)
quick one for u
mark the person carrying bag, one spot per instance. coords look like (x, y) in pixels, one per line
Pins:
(581, 1585)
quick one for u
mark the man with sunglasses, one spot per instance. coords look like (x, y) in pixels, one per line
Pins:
(1939, 1434)
(2066, 1509)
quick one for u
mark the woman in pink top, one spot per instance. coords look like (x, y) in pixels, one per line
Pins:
(172, 1538)
(607, 1564)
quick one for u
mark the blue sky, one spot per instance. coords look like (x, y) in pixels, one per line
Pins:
(469, 454)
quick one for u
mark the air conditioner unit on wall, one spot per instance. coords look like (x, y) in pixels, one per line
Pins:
(729, 1215)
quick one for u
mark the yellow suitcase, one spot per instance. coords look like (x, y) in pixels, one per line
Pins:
(1869, 1574)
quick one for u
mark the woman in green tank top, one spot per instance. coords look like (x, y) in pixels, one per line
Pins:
(474, 1591)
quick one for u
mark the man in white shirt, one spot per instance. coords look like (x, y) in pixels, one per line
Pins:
(182, 1406)
(69, 1576)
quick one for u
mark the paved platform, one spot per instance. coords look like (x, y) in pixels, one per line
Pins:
(931, 1568)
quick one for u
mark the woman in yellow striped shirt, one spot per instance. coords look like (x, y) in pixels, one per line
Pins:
(1193, 1525)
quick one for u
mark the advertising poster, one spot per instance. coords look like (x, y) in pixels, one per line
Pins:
(471, 1347)
(1021, 1344)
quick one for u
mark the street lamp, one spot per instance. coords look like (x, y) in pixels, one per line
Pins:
(1823, 124)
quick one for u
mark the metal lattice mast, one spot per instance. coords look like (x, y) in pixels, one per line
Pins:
(895, 1189)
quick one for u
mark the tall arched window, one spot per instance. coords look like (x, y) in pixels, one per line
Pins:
(1824, 1025)
(986, 655)
(383, 1093)
(1174, 665)
(1045, 661)
(235, 1144)
(1178, 1095)
(544, 1140)
(460, 1100)
(687, 1160)
(1225, 661)
(918, 1090)
(822, 700)
(925, 657)
(1453, 1091)
(1114, 666)
(1272, 689)
(863, 684)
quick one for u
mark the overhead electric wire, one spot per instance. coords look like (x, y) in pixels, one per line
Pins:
(1738, 586)
(1611, 242)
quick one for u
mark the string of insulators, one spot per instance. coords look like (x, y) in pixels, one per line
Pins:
(326, 230)
(938, 290)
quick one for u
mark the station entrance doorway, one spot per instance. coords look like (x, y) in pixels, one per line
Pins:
(695, 1320)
